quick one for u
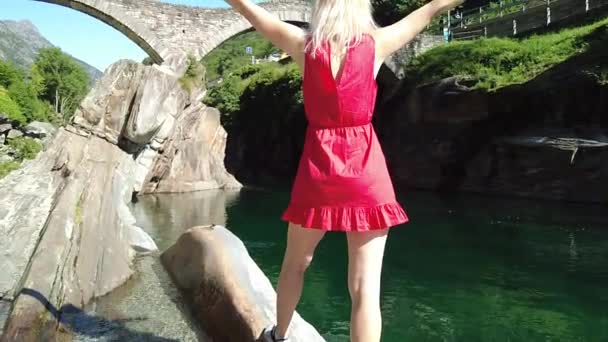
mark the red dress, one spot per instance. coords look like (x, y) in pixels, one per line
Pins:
(342, 182)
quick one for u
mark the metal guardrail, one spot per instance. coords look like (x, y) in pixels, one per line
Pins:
(510, 17)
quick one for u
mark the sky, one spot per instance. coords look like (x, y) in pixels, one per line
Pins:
(80, 35)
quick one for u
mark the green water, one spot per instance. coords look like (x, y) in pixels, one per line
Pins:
(466, 268)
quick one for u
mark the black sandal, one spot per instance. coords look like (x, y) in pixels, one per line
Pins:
(272, 335)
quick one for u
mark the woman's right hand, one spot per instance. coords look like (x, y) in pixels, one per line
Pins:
(391, 38)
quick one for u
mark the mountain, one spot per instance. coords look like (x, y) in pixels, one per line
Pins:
(21, 40)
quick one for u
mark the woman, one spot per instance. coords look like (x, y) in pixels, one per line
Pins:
(342, 183)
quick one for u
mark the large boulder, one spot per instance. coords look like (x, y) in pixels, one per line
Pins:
(228, 293)
(5, 128)
(105, 109)
(39, 129)
(131, 101)
(66, 225)
(193, 156)
(14, 133)
(159, 95)
(178, 146)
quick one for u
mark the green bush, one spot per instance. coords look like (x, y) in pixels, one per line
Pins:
(274, 87)
(194, 75)
(26, 147)
(25, 90)
(9, 74)
(64, 83)
(226, 96)
(497, 62)
(7, 167)
(10, 107)
(276, 90)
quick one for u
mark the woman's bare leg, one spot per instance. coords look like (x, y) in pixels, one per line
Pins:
(365, 254)
(301, 244)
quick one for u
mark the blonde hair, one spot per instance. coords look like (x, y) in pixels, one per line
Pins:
(341, 22)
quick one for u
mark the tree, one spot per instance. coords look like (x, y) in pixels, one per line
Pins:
(387, 12)
(9, 74)
(65, 82)
(24, 89)
(36, 84)
(10, 107)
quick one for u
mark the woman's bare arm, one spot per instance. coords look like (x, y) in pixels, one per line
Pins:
(285, 36)
(391, 38)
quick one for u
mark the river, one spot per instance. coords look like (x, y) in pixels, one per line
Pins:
(466, 268)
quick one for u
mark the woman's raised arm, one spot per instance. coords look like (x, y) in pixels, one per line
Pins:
(290, 38)
(391, 38)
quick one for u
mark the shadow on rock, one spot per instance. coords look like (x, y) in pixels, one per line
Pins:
(84, 324)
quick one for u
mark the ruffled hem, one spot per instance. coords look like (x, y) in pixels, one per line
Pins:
(348, 218)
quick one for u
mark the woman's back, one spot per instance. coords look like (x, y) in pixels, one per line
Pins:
(347, 99)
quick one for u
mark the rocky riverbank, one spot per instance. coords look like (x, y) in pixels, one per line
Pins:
(19, 142)
(69, 235)
(545, 138)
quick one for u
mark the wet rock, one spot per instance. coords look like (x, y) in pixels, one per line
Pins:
(140, 240)
(229, 295)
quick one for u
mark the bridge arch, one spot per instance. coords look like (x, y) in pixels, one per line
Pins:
(161, 29)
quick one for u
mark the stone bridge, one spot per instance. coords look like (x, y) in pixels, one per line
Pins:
(162, 28)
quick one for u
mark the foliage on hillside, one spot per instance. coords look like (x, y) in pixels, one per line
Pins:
(277, 87)
(65, 83)
(231, 54)
(53, 81)
(261, 108)
(22, 148)
(7, 167)
(498, 62)
(9, 107)
(194, 75)
(25, 147)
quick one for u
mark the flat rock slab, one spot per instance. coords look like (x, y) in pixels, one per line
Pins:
(64, 219)
(228, 293)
